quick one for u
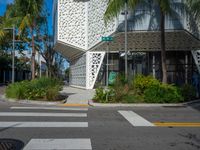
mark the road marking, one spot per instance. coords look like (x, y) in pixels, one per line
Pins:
(135, 119)
(43, 114)
(59, 144)
(52, 108)
(42, 124)
(177, 124)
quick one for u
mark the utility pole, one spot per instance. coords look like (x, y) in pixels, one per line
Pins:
(13, 56)
(107, 64)
(126, 42)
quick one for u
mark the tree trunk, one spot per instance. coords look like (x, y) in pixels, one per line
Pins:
(33, 55)
(163, 50)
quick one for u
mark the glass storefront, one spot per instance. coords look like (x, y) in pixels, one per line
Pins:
(180, 66)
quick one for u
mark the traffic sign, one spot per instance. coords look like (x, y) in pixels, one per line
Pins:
(107, 38)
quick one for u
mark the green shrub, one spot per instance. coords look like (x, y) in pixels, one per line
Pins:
(52, 94)
(17, 90)
(141, 83)
(99, 94)
(188, 92)
(104, 95)
(143, 89)
(42, 88)
(132, 98)
(163, 93)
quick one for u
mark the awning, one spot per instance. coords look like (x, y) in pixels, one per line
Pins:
(176, 40)
(68, 51)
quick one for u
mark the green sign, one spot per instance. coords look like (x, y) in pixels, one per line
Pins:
(112, 77)
(107, 38)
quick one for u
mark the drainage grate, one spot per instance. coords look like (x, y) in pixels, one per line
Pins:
(11, 144)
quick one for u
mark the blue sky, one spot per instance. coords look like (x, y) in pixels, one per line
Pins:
(48, 3)
(3, 4)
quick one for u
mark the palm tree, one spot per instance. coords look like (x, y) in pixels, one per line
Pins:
(6, 22)
(115, 6)
(194, 6)
(30, 13)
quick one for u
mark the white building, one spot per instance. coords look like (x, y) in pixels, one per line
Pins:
(79, 26)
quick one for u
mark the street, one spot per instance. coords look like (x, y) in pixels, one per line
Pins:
(99, 128)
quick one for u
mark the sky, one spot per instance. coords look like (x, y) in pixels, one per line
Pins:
(48, 3)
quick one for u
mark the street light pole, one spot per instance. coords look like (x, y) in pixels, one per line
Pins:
(13, 56)
(107, 64)
(126, 42)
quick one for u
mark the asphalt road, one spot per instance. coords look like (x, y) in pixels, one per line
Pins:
(101, 128)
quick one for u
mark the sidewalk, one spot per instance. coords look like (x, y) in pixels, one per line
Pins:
(77, 96)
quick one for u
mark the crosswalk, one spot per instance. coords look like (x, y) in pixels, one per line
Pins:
(135, 119)
(53, 113)
(138, 121)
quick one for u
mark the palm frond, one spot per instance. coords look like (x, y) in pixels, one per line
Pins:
(26, 22)
(194, 6)
(164, 5)
(113, 9)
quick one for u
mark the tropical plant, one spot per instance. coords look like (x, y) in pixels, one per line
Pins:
(29, 12)
(42, 88)
(6, 22)
(194, 6)
(141, 83)
(44, 45)
(163, 93)
(164, 6)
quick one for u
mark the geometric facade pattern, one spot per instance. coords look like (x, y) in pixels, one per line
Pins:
(176, 40)
(96, 23)
(196, 56)
(193, 26)
(81, 22)
(84, 70)
(78, 71)
(72, 22)
(94, 62)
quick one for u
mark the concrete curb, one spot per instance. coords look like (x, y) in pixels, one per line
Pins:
(91, 103)
(35, 102)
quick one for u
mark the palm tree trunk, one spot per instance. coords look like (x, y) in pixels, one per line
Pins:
(163, 50)
(33, 55)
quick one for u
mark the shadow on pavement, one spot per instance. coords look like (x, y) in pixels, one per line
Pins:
(11, 144)
(192, 140)
(195, 105)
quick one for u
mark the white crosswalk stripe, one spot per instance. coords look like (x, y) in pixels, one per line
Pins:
(135, 119)
(51, 113)
(44, 124)
(43, 114)
(59, 144)
(51, 108)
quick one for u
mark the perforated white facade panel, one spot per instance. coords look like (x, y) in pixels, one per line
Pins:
(96, 23)
(84, 70)
(78, 71)
(81, 23)
(94, 62)
(72, 22)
